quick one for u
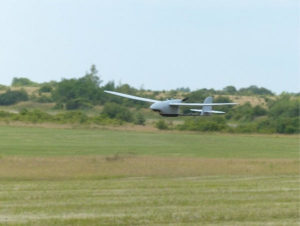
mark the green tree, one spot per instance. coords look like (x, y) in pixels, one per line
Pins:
(229, 90)
(79, 93)
(254, 90)
(23, 82)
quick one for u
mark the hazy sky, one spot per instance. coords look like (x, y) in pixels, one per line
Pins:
(160, 44)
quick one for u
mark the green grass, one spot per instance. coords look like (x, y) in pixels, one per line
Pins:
(54, 176)
(26, 141)
(152, 201)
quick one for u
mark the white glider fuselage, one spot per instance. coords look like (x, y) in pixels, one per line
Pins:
(165, 109)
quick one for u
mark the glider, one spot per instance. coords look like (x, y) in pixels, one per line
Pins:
(170, 108)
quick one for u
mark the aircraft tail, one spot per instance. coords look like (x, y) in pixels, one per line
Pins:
(206, 110)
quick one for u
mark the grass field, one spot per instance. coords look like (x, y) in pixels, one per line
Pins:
(51, 176)
(24, 141)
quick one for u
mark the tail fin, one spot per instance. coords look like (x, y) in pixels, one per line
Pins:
(207, 109)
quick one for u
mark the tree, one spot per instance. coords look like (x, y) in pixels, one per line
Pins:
(79, 93)
(22, 82)
(230, 90)
(109, 86)
(255, 90)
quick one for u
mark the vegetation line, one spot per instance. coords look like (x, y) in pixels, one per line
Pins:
(82, 101)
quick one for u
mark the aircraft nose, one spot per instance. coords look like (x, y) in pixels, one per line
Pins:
(152, 107)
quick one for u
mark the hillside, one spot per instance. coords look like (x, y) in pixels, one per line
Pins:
(83, 101)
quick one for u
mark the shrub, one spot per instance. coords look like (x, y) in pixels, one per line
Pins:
(161, 124)
(78, 103)
(113, 110)
(44, 99)
(259, 111)
(45, 89)
(140, 119)
(71, 117)
(104, 120)
(34, 116)
(12, 97)
(287, 125)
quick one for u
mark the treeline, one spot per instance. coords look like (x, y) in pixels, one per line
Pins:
(279, 115)
(87, 91)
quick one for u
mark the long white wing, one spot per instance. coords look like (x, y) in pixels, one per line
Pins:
(214, 112)
(131, 97)
(196, 110)
(202, 104)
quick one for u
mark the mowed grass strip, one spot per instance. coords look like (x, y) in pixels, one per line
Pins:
(207, 200)
(118, 166)
(26, 141)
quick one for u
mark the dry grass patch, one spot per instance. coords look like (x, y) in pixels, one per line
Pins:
(133, 166)
(253, 100)
(28, 89)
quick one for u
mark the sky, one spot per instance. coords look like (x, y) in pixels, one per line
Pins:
(154, 44)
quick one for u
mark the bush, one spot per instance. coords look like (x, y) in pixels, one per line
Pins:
(34, 116)
(12, 97)
(285, 107)
(71, 117)
(259, 111)
(161, 124)
(242, 112)
(140, 119)
(210, 123)
(103, 120)
(45, 89)
(78, 103)
(113, 110)
(42, 99)
(287, 125)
